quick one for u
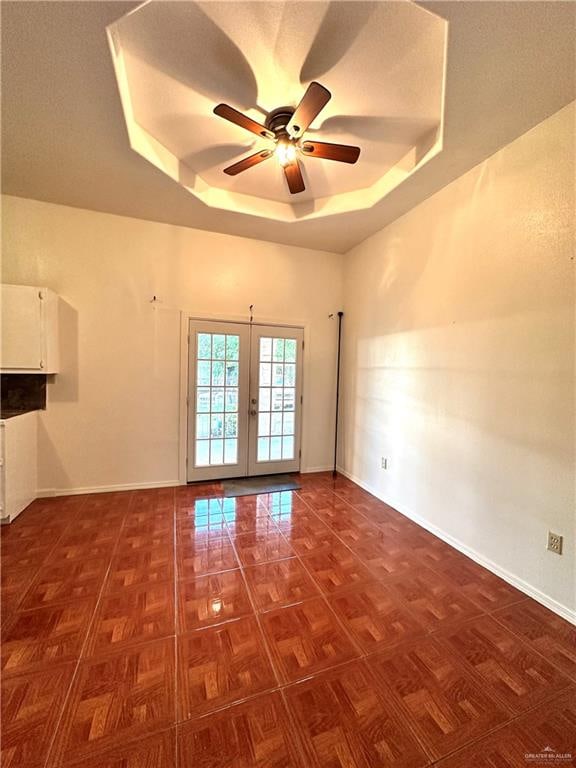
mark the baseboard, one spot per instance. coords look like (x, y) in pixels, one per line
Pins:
(511, 578)
(45, 493)
(309, 470)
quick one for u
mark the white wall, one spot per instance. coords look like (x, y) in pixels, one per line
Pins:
(459, 358)
(113, 412)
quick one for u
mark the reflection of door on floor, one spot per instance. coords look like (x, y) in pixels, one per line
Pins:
(244, 399)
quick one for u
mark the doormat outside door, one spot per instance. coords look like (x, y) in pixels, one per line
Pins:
(248, 486)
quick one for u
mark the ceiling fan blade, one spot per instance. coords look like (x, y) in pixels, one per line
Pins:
(343, 153)
(231, 114)
(313, 102)
(294, 177)
(248, 162)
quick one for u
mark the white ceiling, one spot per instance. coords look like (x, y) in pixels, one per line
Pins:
(176, 60)
(509, 66)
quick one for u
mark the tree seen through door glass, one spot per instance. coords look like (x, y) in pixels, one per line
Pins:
(218, 346)
(204, 346)
(217, 381)
(276, 399)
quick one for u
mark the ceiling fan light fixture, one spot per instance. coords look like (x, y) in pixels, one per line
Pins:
(285, 152)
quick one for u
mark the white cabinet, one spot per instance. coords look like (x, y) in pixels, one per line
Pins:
(18, 464)
(29, 330)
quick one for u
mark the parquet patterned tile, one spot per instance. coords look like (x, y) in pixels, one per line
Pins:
(519, 676)
(440, 698)
(431, 598)
(200, 529)
(135, 614)
(457, 665)
(109, 522)
(158, 751)
(245, 505)
(83, 546)
(549, 634)
(212, 600)
(318, 499)
(34, 640)
(306, 638)
(385, 556)
(151, 528)
(336, 569)
(544, 736)
(31, 707)
(210, 508)
(158, 500)
(143, 566)
(117, 698)
(346, 721)
(429, 549)
(137, 541)
(261, 548)
(249, 523)
(485, 589)
(141, 514)
(16, 556)
(286, 519)
(65, 581)
(283, 582)
(310, 535)
(375, 617)
(14, 585)
(256, 734)
(23, 533)
(352, 528)
(221, 665)
(284, 501)
(204, 558)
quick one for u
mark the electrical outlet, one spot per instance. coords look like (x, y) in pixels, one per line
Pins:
(384, 462)
(555, 542)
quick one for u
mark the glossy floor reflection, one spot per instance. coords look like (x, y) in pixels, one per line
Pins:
(173, 627)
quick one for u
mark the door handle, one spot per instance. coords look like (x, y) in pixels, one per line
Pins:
(253, 412)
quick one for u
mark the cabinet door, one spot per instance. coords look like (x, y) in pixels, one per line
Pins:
(21, 327)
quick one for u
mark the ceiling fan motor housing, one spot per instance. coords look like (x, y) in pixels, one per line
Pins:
(278, 119)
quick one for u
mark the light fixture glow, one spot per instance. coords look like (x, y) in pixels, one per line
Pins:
(285, 152)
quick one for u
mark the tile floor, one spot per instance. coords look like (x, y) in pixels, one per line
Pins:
(173, 627)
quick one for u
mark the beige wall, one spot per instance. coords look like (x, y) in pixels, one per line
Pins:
(459, 335)
(113, 411)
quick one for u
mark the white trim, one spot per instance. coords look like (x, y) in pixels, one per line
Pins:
(511, 578)
(308, 470)
(45, 493)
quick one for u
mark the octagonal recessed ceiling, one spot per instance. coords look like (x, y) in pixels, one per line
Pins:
(383, 62)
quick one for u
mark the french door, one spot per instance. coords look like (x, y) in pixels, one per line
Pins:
(244, 399)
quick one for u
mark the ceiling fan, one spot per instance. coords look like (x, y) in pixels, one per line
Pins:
(286, 126)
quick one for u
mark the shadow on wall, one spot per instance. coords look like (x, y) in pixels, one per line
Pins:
(49, 463)
(63, 387)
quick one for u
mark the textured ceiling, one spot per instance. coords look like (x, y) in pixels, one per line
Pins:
(509, 66)
(383, 63)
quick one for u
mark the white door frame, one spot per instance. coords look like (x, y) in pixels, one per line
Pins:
(185, 317)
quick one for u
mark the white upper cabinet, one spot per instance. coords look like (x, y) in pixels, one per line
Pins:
(29, 330)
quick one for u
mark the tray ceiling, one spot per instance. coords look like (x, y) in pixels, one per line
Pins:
(382, 62)
(509, 65)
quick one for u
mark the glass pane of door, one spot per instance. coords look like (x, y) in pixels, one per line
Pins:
(275, 387)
